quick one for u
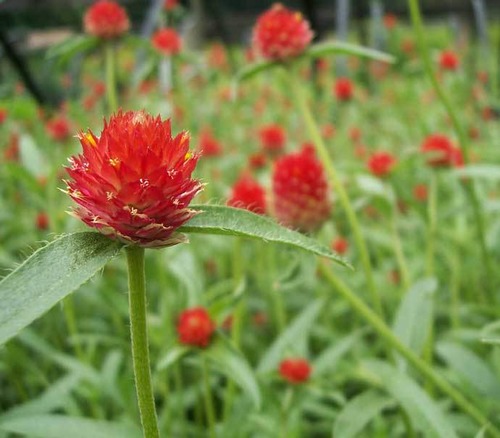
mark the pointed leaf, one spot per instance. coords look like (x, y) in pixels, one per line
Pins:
(234, 365)
(341, 48)
(251, 70)
(229, 221)
(61, 426)
(298, 329)
(50, 274)
(426, 414)
(70, 47)
(358, 412)
(172, 356)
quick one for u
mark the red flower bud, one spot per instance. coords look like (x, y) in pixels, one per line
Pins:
(195, 327)
(106, 19)
(295, 370)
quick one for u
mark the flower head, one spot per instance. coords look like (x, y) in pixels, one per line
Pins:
(133, 183)
(295, 370)
(58, 128)
(195, 327)
(272, 138)
(300, 190)
(381, 163)
(281, 33)
(343, 89)
(248, 194)
(441, 151)
(167, 41)
(448, 60)
(106, 19)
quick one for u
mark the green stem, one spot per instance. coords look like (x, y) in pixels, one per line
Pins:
(398, 250)
(388, 336)
(111, 76)
(139, 341)
(469, 186)
(314, 132)
(431, 226)
(209, 406)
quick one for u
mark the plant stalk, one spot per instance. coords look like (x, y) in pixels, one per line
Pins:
(110, 76)
(139, 341)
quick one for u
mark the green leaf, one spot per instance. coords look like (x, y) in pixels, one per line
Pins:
(470, 367)
(341, 48)
(31, 157)
(251, 70)
(298, 329)
(172, 356)
(483, 171)
(358, 412)
(414, 314)
(427, 415)
(61, 426)
(70, 47)
(229, 221)
(233, 364)
(50, 274)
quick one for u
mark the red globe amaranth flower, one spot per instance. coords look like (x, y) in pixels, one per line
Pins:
(448, 60)
(390, 21)
(58, 128)
(106, 19)
(381, 163)
(343, 89)
(3, 115)
(209, 146)
(296, 370)
(195, 327)
(441, 151)
(133, 183)
(257, 160)
(420, 192)
(167, 41)
(42, 221)
(272, 138)
(340, 245)
(248, 194)
(280, 33)
(300, 191)
(170, 5)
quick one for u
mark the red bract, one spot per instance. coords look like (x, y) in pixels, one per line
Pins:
(343, 89)
(195, 327)
(296, 370)
(300, 191)
(281, 33)
(272, 138)
(441, 151)
(381, 163)
(448, 60)
(340, 245)
(248, 194)
(106, 19)
(58, 128)
(167, 41)
(133, 183)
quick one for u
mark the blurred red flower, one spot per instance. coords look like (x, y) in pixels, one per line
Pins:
(300, 191)
(272, 138)
(195, 327)
(390, 21)
(208, 145)
(247, 193)
(448, 60)
(58, 128)
(42, 221)
(420, 192)
(3, 115)
(340, 245)
(381, 163)
(257, 160)
(167, 41)
(133, 183)
(106, 19)
(441, 151)
(343, 89)
(281, 33)
(295, 370)
(170, 5)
